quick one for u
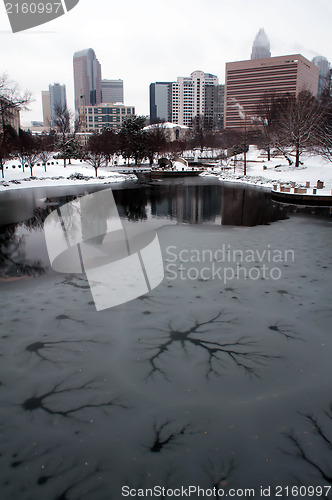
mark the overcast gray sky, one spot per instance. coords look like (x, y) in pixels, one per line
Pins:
(144, 41)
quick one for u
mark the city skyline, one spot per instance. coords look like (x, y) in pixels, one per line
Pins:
(136, 49)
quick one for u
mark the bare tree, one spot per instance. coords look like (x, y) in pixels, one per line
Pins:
(47, 146)
(296, 124)
(267, 114)
(7, 141)
(156, 141)
(28, 149)
(95, 154)
(62, 123)
(11, 101)
(324, 127)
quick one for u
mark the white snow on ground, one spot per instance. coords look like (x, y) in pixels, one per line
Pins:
(277, 171)
(57, 175)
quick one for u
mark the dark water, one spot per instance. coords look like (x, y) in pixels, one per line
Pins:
(219, 377)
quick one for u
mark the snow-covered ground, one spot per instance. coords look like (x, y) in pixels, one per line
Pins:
(57, 175)
(276, 171)
(259, 172)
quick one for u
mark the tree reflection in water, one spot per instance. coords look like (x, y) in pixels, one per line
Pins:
(13, 261)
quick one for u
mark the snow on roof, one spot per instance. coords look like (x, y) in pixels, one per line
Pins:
(165, 125)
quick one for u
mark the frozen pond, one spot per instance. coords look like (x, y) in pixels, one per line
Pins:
(220, 377)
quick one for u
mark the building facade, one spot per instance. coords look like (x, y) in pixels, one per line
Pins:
(9, 115)
(46, 108)
(96, 118)
(189, 97)
(160, 101)
(58, 99)
(112, 91)
(247, 82)
(87, 78)
(324, 81)
(181, 101)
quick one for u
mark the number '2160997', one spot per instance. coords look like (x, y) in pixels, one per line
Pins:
(302, 491)
(33, 8)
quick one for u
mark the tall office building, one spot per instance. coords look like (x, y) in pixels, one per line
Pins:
(160, 101)
(247, 82)
(215, 99)
(261, 46)
(324, 82)
(87, 78)
(57, 96)
(46, 108)
(112, 91)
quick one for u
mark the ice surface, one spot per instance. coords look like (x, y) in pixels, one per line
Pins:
(199, 381)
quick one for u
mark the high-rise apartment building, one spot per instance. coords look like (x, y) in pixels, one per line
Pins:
(181, 101)
(58, 100)
(87, 78)
(261, 46)
(112, 91)
(247, 82)
(189, 97)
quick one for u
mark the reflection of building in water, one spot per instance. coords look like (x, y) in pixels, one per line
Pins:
(248, 207)
(190, 204)
(196, 204)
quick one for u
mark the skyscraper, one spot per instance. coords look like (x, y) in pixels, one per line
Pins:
(160, 101)
(57, 95)
(46, 108)
(324, 67)
(112, 91)
(261, 46)
(87, 78)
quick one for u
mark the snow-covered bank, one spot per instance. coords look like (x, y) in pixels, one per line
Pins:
(56, 175)
(262, 172)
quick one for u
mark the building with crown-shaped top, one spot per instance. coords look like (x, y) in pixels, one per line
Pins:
(87, 78)
(261, 46)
